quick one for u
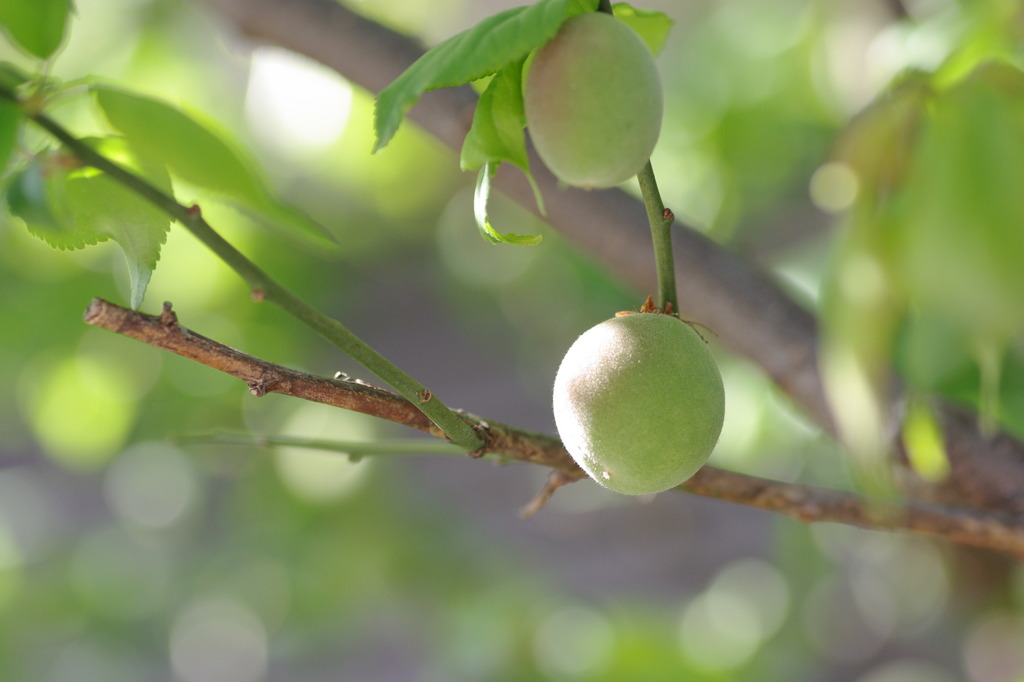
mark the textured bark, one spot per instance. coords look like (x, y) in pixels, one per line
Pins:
(802, 502)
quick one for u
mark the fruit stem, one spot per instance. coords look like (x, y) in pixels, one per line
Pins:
(660, 219)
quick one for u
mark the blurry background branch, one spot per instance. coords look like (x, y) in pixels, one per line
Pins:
(742, 303)
(805, 503)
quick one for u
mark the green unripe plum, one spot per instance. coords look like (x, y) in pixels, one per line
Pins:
(593, 101)
(639, 402)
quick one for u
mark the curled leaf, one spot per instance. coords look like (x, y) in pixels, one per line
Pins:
(480, 197)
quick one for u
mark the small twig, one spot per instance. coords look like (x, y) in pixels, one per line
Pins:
(804, 503)
(556, 479)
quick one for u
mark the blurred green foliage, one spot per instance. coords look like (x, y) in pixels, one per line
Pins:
(125, 555)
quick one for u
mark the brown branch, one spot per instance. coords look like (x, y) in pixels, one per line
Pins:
(750, 313)
(802, 502)
(164, 331)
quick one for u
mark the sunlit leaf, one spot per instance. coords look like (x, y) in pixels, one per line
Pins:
(36, 25)
(878, 144)
(10, 124)
(11, 76)
(498, 122)
(71, 207)
(653, 26)
(38, 195)
(923, 440)
(497, 131)
(197, 154)
(480, 198)
(963, 207)
(479, 51)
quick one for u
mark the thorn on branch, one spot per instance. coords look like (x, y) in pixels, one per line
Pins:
(667, 215)
(168, 319)
(258, 295)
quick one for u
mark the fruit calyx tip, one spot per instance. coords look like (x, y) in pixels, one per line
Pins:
(649, 306)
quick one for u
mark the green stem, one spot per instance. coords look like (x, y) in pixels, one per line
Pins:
(354, 449)
(266, 288)
(661, 222)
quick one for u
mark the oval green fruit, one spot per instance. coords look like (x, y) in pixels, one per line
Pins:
(639, 402)
(593, 101)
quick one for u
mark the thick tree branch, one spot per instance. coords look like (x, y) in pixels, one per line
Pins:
(805, 503)
(749, 312)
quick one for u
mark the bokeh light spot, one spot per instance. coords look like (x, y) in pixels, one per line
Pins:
(217, 639)
(994, 648)
(294, 103)
(81, 410)
(318, 476)
(573, 641)
(834, 187)
(151, 485)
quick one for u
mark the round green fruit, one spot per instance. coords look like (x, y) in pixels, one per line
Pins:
(639, 402)
(593, 101)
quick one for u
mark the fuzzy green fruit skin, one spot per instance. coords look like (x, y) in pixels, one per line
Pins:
(593, 102)
(639, 402)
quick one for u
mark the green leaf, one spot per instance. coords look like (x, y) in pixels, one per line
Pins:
(653, 26)
(963, 208)
(191, 150)
(11, 76)
(10, 124)
(37, 195)
(498, 122)
(197, 154)
(480, 51)
(923, 440)
(138, 227)
(878, 144)
(480, 197)
(497, 131)
(73, 207)
(36, 25)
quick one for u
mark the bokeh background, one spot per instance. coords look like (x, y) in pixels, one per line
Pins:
(127, 554)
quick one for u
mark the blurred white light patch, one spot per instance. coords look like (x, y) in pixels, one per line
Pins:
(908, 670)
(295, 105)
(218, 639)
(572, 642)
(316, 475)
(151, 485)
(729, 622)
(994, 648)
(744, 414)
(28, 509)
(901, 585)
(11, 561)
(834, 187)
(763, 585)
